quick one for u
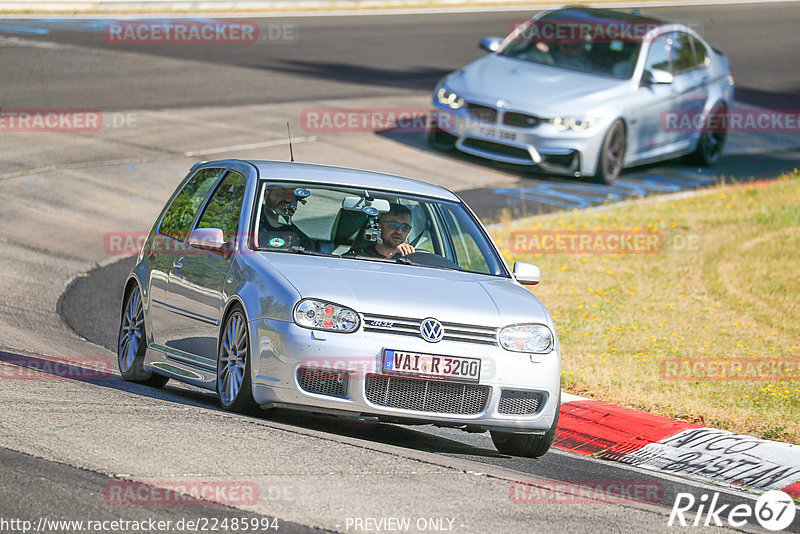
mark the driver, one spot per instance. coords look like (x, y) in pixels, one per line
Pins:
(395, 226)
(571, 55)
(273, 232)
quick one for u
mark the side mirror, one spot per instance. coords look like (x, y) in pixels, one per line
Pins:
(491, 44)
(207, 239)
(657, 77)
(527, 273)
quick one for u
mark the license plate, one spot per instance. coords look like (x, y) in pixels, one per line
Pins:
(431, 365)
(497, 133)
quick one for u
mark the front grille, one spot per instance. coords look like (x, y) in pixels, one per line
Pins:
(410, 327)
(323, 381)
(520, 120)
(515, 402)
(498, 148)
(482, 113)
(426, 395)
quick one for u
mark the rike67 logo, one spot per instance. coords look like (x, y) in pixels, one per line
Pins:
(774, 510)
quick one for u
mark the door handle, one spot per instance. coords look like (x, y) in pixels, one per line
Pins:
(177, 266)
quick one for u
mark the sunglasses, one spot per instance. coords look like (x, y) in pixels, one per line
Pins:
(403, 227)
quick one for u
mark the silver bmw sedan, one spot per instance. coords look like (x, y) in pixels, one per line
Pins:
(343, 292)
(586, 92)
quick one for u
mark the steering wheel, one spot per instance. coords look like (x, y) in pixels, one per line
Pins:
(424, 257)
(397, 255)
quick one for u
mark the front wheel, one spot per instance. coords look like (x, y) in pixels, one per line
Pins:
(233, 365)
(438, 138)
(612, 154)
(132, 343)
(528, 445)
(712, 138)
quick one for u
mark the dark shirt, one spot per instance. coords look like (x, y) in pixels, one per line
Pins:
(366, 249)
(282, 237)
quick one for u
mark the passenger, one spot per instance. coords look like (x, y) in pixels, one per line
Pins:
(273, 231)
(395, 226)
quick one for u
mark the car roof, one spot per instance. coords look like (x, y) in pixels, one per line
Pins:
(591, 13)
(307, 172)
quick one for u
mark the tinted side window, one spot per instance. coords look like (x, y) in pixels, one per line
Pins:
(225, 205)
(658, 57)
(181, 213)
(683, 53)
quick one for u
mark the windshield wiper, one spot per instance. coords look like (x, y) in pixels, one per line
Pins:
(301, 250)
(402, 260)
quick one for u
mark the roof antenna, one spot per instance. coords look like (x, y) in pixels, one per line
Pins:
(291, 153)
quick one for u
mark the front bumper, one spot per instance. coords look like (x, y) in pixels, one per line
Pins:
(543, 146)
(509, 381)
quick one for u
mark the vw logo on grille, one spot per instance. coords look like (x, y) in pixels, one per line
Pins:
(431, 330)
(502, 104)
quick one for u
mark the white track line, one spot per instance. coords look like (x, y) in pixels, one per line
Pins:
(265, 144)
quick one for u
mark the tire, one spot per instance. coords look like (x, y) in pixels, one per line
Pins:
(234, 383)
(612, 154)
(712, 140)
(439, 139)
(132, 343)
(527, 445)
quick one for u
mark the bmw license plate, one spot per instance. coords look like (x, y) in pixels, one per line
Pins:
(431, 365)
(498, 134)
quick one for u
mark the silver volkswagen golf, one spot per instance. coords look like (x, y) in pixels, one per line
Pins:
(586, 92)
(343, 292)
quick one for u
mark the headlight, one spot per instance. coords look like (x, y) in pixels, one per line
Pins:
(321, 315)
(527, 338)
(576, 124)
(449, 98)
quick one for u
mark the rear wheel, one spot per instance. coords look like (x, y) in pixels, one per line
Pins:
(612, 153)
(233, 365)
(132, 343)
(712, 138)
(528, 445)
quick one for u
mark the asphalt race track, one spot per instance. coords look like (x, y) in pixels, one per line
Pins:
(63, 441)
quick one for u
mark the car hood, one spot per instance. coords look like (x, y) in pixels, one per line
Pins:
(540, 89)
(381, 288)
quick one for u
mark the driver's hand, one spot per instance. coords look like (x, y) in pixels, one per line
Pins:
(405, 249)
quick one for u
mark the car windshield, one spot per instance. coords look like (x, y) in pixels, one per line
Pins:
(369, 225)
(561, 44)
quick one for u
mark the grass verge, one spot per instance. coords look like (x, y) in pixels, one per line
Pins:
(698, 319)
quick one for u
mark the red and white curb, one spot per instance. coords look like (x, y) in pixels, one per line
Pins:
(608, 432)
